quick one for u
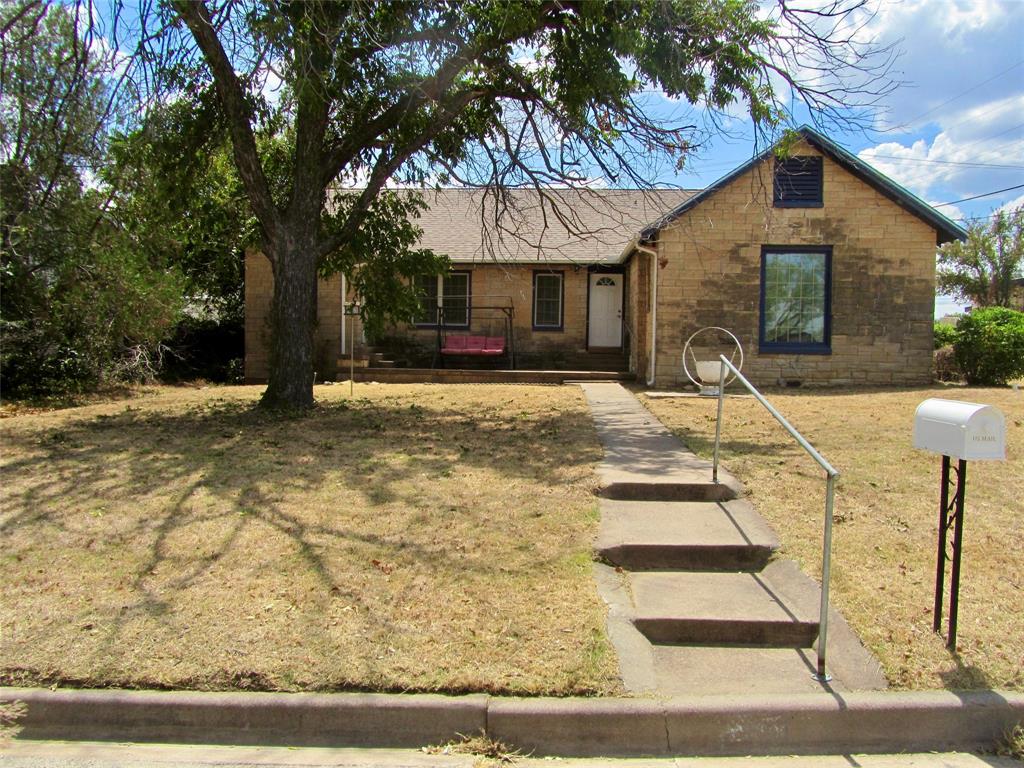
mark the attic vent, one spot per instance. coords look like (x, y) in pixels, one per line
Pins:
(798, 182)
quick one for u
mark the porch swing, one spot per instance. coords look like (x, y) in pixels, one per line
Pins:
(495, 342)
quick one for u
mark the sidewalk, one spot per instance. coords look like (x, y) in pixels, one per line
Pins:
(697, 603)
(96, 755)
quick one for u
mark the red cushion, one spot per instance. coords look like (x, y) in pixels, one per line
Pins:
(473, 345)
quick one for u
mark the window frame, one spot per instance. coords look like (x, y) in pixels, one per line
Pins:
(560, 274)
(823, 347)
(440, 300)
(818, 201)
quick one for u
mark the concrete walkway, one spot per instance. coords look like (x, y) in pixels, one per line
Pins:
(55, 754)
(696, 603)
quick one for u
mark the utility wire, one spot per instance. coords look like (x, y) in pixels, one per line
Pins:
(975, 197)
(910, 122)
(945, 162)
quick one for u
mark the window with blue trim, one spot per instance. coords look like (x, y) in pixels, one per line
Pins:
(796, 300)
(448, 292)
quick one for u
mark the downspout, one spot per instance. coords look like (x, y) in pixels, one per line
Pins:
(653, 360)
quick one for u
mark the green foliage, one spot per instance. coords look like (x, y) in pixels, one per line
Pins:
(990, 345)
(81, 302)
(384, 283)
(945, 335)
(178, 194)
(981, 269)
(529, 94)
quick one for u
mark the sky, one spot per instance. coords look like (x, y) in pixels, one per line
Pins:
(954, 128)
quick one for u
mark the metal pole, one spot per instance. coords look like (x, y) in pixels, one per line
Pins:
(940, 567)
(718, 421)
(826, 573)
(958, 540)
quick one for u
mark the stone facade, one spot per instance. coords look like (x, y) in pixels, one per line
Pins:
(882, 286)
(490, 285)
(703, 268)
(493, 285)
(259, 290)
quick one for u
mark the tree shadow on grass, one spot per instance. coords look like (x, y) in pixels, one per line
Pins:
(190, 488)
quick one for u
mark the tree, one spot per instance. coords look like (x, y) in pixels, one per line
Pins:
(981, 269)
(80, 303)
(502, 94)
(176, 190)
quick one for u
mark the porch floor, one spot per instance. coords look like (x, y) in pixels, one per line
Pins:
(478, 376)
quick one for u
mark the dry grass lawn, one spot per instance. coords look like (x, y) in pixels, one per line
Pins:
(428, 538)
(886, 521)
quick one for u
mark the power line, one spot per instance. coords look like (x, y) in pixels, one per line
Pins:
(975, 197)
(945, 162)
(995, 136)
(908, 123)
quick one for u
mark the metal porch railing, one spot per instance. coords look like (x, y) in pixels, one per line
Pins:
(831, 474)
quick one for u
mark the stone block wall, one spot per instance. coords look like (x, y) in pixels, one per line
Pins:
(259, 290)
(497, 284)
(882, 290)
(489, 284)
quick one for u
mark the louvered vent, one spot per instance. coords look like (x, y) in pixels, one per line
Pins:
(798, 182)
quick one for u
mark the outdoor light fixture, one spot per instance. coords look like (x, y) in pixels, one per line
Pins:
(965, 431)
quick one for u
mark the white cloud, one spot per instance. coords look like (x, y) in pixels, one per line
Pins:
(949, 49)
(960, 158)
(1012, 205)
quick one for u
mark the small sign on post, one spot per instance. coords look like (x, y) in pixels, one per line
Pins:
(966, 432)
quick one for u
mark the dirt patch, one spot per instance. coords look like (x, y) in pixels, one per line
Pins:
(886, 518)
(426, 538)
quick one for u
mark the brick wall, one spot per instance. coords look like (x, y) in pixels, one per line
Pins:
(883, 280)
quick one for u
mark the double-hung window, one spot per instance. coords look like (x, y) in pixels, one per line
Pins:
(444, 297)
(547, 301)
(796, 299)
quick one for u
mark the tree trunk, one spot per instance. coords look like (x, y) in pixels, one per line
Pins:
(293, 320)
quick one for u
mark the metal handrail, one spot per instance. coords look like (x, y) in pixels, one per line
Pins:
(831, 474)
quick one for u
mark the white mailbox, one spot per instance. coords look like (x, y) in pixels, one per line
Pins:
(960, 430)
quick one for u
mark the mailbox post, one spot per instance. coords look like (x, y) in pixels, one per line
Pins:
(964, 431)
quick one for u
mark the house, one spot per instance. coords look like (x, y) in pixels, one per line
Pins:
(820, 265)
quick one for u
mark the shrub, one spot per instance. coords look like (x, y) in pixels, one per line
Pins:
(945, 335)
(205, 348)
(990, 345)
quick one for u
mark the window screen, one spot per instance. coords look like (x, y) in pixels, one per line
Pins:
(547, 300)
(449, 291)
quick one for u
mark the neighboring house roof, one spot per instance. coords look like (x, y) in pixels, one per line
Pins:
(946, 229)
(590, 226)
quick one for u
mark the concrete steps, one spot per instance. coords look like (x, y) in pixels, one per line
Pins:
(696, 603)
(685, 535)
(719, 609)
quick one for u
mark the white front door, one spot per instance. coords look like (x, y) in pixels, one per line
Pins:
(605, 310)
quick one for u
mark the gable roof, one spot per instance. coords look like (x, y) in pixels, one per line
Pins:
(595, 223)
(945, 228)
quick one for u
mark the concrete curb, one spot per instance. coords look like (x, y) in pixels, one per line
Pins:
(714, 725)
(293, 719)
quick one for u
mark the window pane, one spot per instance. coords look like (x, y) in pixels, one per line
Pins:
(547, 301)
(456, 298)
(426, 289)
(794, 305)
